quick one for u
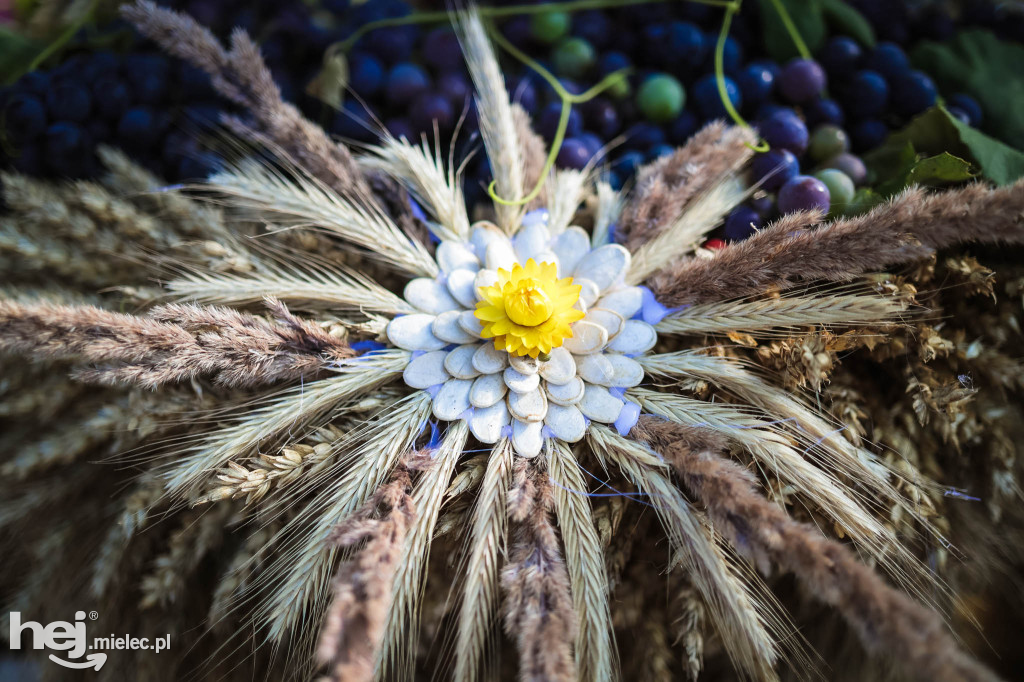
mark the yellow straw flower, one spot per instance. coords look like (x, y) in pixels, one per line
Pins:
(529, 310)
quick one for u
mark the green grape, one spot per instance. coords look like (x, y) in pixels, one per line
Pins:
(573, 57)
(840, 189)
(548, 27)
(661, 98)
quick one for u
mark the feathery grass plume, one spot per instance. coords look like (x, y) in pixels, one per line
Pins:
(906, 228)
(409, 578)
(783, 313)
(295, 581)
(734, 610)
(355, 621)
(173, 343)
(681, 235)
(666, 187)
(301, 200)
(241, 76)
(497, 120)
(595, 648)
(538, 607)
(423, 174)
(887, 621)
(534, 153)
(487, 543)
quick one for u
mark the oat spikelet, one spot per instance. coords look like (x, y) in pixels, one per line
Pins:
(887, 621)
(497, 122)
(538, 606)
(734, 610)
(487, 543)
(407, 587)
(666, 187)
(354, 625)
(681, 236)
(595, 647)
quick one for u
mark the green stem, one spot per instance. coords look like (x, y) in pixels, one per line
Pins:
(568, 99)
(63, 38)
(794, 34)
(723, 93)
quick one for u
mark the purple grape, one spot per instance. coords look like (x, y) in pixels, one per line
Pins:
(25, 115)
(912, 93)
(455, 88)
(547, 125)
(888, 59)
(684, 45)
(601, 117)
(968, 105)
(573, 154)
(774, 168)
(405, 83)
(959, 114)
(70, 101)
(644, 136)
(593, 26)
(365, 74)
(65, 144)
(392, 45)
(742, 222)
(627, 164)
(593, 143)
(683, 127)
(428, 109)
(401, 128)
(868, 134)
(709, 100)
(801, 80)
(851, 165)
(840, 56)
(785, 131)
(803, 193)
(441, 50)
(756, 82)
(137, 128)
(824, 111)
(866, 94)
(659, 150)
(524, 93)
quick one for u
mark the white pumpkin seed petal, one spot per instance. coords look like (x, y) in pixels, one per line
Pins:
(626, 301)
(530, 241)
(519, 382)
(627, 372)
(487, 390)
(568, 393)
(600, 405)
(527, 438)
(587, 337)
(413, 332)
(488, 360)
(487, 423)
(595, 369)
(459, 362)
(426, 370)
(447, 328)
(528, 407)
(452, 256)
(610, 320)
(570, 247)
(636, 337)
(470, 323)
(452, 400)
(462, 287)
(566, 422)
(559, 367)
(606, 265)
(429, 295)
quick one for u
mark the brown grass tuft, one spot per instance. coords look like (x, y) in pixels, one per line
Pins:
(538, 604)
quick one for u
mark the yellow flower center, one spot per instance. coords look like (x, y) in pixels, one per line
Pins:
(528, 304)
(528, 311)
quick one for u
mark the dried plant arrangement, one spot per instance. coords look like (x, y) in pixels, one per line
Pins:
(269, 417)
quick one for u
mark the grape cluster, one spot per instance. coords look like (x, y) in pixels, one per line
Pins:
(411, 79)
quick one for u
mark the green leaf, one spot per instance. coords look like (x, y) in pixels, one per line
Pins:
(990, 70)
(845, 19)
(16, 52)
(941, 169)
(935, 132)
(809, 19)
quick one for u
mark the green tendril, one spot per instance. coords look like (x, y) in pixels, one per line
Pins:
(794, 34)
(568, 99)
(730, 11)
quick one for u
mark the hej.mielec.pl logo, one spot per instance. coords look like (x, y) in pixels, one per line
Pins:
(71, 638)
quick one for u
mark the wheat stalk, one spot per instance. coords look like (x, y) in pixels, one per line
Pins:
(783, 312)
(480, 594)
(403, 615)
(595, 646)
(734, 610)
